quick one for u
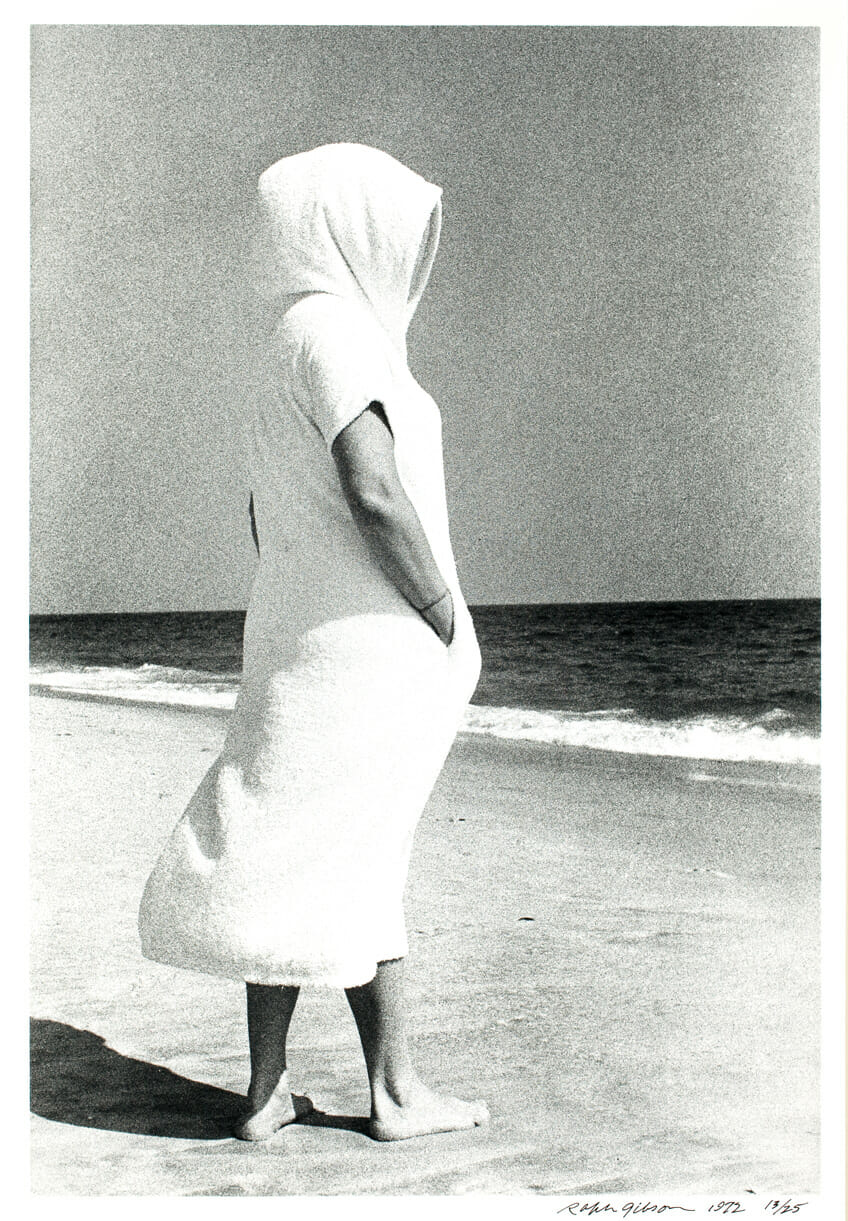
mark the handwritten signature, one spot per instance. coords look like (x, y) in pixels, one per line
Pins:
(631, 1209)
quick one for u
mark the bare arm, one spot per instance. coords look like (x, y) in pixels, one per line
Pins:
(365, 460)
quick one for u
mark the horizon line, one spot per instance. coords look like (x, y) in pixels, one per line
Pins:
(472, 605)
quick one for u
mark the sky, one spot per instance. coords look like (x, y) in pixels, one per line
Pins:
(620, 327)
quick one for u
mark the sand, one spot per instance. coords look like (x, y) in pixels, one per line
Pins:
(620, 954)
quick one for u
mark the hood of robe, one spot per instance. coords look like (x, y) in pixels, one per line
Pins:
(349, 220)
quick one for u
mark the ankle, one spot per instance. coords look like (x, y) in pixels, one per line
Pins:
(396, 1089)
(264, 1082)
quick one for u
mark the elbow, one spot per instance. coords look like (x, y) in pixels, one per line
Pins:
(375, 501)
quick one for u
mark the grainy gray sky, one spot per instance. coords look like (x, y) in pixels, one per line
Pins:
(620, 328)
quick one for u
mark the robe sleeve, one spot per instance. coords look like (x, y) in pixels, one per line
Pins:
(346, 370)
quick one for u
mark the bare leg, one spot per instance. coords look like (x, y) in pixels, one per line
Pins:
(270, 1101)
(401, 1105)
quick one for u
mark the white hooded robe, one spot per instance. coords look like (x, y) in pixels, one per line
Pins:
(289, 864)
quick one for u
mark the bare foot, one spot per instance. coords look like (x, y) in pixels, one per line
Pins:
(422, 1112)
(267, 1117)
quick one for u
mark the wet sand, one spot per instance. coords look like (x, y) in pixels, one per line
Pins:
(620, 954)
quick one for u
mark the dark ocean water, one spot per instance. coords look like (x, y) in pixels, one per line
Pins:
(703, 679)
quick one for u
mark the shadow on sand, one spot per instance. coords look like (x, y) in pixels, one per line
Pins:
(76, 1079)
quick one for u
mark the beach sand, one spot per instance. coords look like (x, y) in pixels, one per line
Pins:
(619, 953)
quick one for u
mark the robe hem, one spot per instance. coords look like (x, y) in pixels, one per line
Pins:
(281, 979)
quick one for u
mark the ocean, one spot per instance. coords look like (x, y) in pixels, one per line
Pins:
(710, 680)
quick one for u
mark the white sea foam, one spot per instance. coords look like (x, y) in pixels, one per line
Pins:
(726, 738)
(148, 684)
(706, 737)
